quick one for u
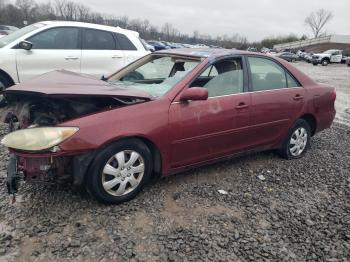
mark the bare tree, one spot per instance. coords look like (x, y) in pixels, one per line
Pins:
(317, 20)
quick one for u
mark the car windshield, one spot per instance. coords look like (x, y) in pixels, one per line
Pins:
(19, 33)
(155, 74)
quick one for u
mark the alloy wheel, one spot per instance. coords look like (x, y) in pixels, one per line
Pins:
(123, 173)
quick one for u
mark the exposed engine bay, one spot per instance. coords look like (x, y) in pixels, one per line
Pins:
(30, 109)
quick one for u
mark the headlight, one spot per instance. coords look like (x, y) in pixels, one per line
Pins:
(39, 138)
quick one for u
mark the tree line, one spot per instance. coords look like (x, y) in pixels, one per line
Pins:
(28, 12)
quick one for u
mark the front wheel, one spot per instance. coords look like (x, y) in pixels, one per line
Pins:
(120, 171)
(297, 141)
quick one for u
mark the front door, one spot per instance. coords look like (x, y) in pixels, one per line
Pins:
(53, 49)
(204, 130)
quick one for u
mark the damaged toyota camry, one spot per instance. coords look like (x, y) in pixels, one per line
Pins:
(167, 112)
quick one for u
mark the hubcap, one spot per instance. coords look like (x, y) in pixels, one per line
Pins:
(123, 172)
(298, 141)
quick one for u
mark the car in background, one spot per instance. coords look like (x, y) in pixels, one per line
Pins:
(7, 29)
(345, 55)
(187, 46)
(288, 56)
(86, 48)
(158, 45)
(327, 57)
(347, 61)
(170, 111)
(252, 49)
(147, 45)
(308, 57)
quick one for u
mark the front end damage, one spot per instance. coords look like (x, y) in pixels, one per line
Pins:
(26, 111)
(46, 168)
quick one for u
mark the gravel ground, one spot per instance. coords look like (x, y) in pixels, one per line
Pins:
(274, 209)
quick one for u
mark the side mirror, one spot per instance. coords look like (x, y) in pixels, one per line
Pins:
(194, 93)
(25, 45)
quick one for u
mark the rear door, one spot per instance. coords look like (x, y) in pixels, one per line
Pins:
(336, 57)
(101, 55)
(132, 51)
(277, 99)
(53, 49)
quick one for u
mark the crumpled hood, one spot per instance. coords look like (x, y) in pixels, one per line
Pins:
(66, 83)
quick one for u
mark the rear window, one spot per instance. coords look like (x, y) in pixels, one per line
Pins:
(124, 42)
(98, 40)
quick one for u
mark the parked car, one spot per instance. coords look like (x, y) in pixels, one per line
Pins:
(327, 57)
(158, 45)
(252, 49)
(170, 111)
(148, 46)
(308, 57)
(6, 30)
(345, 55)
(288, 56)
(347, 61)
(79, 47)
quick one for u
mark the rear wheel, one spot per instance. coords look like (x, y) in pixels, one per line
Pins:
(120, 171)
(297, 141)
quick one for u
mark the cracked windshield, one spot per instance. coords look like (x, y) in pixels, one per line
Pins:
(157, 75)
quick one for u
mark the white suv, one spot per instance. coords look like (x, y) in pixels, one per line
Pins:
(79, 47)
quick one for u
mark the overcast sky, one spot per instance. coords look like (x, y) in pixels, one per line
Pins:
(254, 19)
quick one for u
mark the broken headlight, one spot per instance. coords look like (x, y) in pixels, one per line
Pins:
(39, 138)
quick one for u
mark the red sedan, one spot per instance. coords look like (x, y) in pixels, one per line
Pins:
(165, 113)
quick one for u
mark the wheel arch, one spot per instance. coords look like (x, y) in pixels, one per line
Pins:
(9, 78)
(311, 120)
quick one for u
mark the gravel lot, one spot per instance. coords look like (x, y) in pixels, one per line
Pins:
(274, 210)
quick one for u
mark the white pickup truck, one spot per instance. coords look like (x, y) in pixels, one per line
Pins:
(327, 57)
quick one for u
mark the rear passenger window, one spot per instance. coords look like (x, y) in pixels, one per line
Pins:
(98, 40)
(124, 42)
(266, 74)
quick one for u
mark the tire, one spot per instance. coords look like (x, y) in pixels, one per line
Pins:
(325, 62)
(4, 83)
(297, 141)
(112, 164)
(315, 64)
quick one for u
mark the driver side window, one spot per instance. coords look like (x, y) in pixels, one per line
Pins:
(224, 77)
(56, 38)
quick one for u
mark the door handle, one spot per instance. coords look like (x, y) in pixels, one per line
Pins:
(117, 56)
(298, 97)
(71, 58)
(241, 105)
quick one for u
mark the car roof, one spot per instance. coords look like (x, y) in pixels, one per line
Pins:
(89, 25)
(210, 53)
